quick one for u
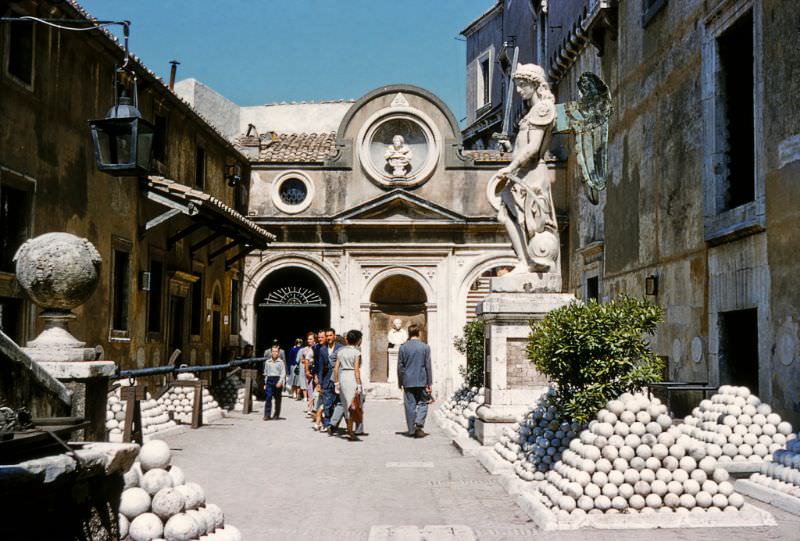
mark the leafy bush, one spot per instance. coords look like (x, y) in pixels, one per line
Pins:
(595, 352)
(471, 345)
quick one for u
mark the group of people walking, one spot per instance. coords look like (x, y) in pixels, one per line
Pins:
(324, 371)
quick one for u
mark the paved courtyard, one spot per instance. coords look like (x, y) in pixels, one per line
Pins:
(283, 481)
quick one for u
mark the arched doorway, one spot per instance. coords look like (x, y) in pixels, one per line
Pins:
(290, 302)
(395, 297)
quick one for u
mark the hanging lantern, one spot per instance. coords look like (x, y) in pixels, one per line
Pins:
(122, 141)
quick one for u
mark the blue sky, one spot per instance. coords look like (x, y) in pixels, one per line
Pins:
(263, 51)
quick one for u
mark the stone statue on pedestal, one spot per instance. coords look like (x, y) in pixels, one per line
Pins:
(526, 207)
(398, 157)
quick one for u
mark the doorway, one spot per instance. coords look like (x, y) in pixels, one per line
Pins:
(395, 297)
(176, 338)
(738, 348)
(289, 303)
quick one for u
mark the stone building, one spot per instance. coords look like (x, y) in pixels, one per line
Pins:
(703, 150)
(370, 227)
(169, 277)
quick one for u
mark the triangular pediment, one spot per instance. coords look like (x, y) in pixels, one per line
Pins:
(399, 206)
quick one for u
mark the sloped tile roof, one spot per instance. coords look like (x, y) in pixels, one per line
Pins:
(202, 199)
(297, 147)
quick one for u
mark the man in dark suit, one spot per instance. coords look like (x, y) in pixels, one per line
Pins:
(327, 358)
(415, 377)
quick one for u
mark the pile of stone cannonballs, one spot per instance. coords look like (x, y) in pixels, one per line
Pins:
(154, 416)
(630, 459)
(736, 426)
(462, 406)
(230, 393)
(158, 504)
(180, 401)
(538, 440)
(783, 472)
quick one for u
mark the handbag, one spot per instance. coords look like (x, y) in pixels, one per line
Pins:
(297, 370)
(356, 410)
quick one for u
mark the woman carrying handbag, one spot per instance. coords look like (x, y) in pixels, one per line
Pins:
(347, 380)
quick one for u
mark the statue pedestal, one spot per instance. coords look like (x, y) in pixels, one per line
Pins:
(512, 383)
(392, 354)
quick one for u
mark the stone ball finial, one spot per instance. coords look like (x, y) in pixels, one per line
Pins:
(58, 271)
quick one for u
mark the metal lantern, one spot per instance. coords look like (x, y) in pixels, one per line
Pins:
(122, 141)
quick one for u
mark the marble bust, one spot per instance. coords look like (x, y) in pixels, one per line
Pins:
(398, 157)
(397, 335)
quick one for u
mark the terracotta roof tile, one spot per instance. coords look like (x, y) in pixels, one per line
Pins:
(164, 185)
(298, 147)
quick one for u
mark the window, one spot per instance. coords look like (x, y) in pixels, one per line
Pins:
(593, 288)
(234, 307)
(735, 46)
(121, 290)
(156, 290)
(732, 96)
(197, 307)
(650, 8)
(20, 51)
(200, 167)
(160, 139)
(292, 192)
(483, 91)
(14, 219)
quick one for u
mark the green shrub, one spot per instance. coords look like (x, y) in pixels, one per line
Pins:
(471, 345)
(595, 352)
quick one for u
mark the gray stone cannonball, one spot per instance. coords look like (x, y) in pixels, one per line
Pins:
(58, 270)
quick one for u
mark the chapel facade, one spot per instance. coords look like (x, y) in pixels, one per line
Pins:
(380, 214)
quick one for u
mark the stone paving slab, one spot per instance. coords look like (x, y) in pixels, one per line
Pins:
(281, 480)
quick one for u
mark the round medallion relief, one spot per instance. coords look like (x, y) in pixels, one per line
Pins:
(399, 147)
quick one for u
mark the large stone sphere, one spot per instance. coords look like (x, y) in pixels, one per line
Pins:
(59, 271)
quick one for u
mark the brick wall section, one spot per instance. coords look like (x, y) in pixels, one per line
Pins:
(520, 372)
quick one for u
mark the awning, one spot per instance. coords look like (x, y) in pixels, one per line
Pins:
(206, 211)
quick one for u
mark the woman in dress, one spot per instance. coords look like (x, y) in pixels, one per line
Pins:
(305, 358)
(293, 372)
(347, 377)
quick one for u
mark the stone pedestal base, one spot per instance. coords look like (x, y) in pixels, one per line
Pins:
(88, 383)
(512, 382)
(392, 353)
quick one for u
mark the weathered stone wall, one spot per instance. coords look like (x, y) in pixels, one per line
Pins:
(45, 148)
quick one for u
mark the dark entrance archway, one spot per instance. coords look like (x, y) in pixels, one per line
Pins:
(290, 302)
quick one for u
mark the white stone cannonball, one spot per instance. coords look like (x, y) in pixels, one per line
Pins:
(647, 475)
(621, 429)
(620, 464)
(626, 490)
(145, 527)
(698, 475)
(616, 477)
(585, 503)
(233, 532)
(675, 487)
(677, 450)
(710, 486)
(616, 407)
(641, 488)
(193, 495)
(631, 476)
(610, 490)
(180, 527)
(688, 463)
(687, 501)
(131, 477)
(199, 520)
(670, 463)
(690, 486)
(680, 475)
(154, 454)
(154, 480)
(637, 502)
(602, 502)
(124, 526)
(653, 501)
(784, 428)
(178, 477)
(167, 502)
(592, 490)
(638, 463)
(671, 500)
(619, 503)
(610, 452)
(567, 503)
(134, 502)
(719, 501)
(588, 466)
(627, 452)
(658, 487)
(736, 500)
(628, 417)
(663, 474)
